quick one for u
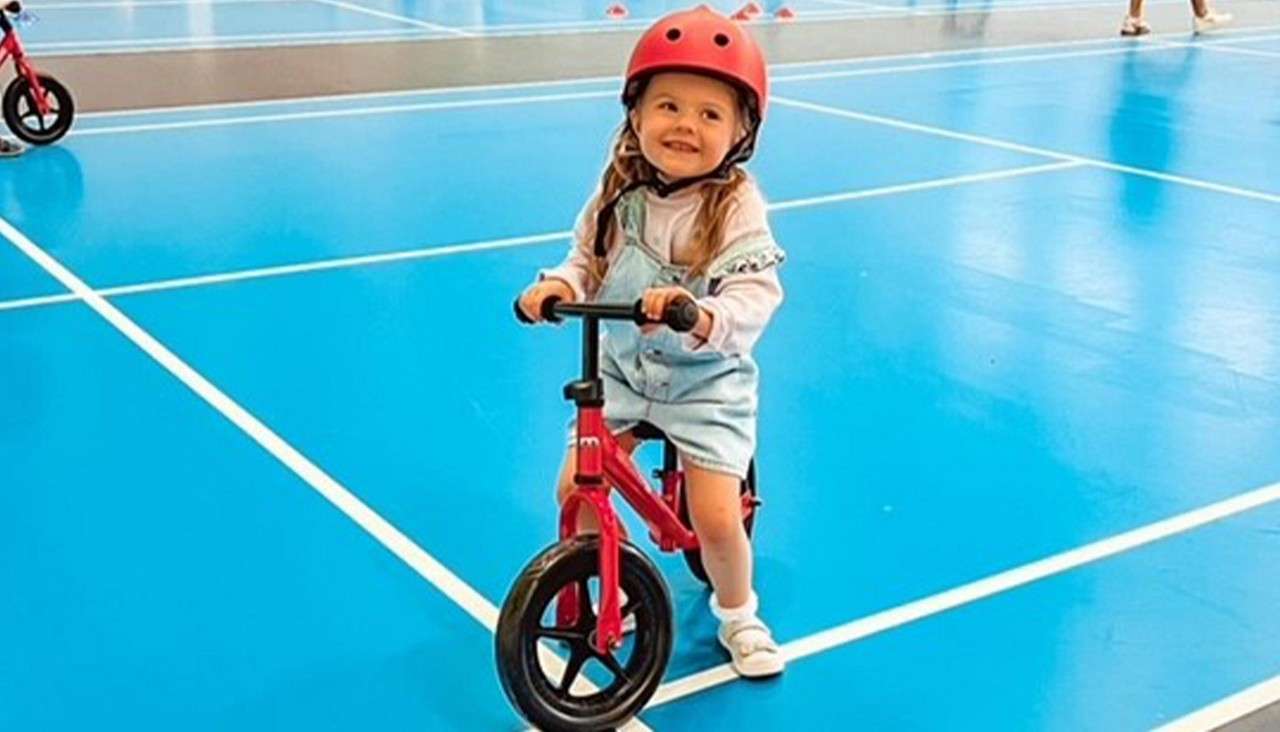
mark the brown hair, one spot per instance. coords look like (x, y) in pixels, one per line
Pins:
(627, 165)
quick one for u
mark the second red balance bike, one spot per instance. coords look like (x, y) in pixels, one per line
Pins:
(37, 107)
(569, 595)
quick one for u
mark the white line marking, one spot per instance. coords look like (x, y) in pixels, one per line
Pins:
(388, 535)
(515, 30)
(925, 185)
(34, 302)
(544, 98)
(329, 113)
(1029, 149)
(1229, 709)
(198, 43)
(981, 589)
(1228, 48)
(145, 4)
(392, 16)
(1152, 46)
(1116, 44)
(427, 566)
(394, 108)
(497, 244)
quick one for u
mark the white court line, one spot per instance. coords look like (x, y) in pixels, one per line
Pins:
(392, 16)
(585, 81)
(292, 269)
(970, 7)
(1029, 149)
(388, 535)
(614, 79)
(981, 589)
(427, 566)
(196, 43)
(511, 30)
(1228, 710)
(497, 244)
(1228, 48)
(1152, 46)
(145, 4)
(924, 185)
(327, 113)
(502, 101)
(873, 6)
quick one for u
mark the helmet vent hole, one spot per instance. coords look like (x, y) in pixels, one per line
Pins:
(673, 34)
(721, 40)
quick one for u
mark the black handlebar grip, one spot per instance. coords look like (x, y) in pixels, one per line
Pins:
(549, 309)
(681, 315)
(520, 316)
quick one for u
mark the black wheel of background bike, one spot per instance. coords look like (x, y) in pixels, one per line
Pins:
(22, 112)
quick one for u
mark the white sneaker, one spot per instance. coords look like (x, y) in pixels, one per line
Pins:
(10, 149)
(1209, 21)
(1134, 26)
(754, 652)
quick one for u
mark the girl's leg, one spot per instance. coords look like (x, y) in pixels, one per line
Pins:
(715, 509)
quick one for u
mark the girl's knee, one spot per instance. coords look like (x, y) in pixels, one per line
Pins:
(715, 506)
(718, 525)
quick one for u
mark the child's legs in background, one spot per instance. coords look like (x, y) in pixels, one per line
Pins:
(715, 508)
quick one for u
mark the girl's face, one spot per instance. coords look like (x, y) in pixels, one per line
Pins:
(686, 123)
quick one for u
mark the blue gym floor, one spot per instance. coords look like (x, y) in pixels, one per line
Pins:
(1031, 314)
(115, 26)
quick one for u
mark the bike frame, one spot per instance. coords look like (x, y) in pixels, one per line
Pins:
(602, 464)
(12, 46)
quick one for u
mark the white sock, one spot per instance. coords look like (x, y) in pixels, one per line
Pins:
(726, 614)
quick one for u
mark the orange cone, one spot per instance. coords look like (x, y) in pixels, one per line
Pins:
(617, 11)
(785, 13)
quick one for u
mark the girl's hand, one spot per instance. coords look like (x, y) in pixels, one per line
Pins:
(532, 298)
(654, 303)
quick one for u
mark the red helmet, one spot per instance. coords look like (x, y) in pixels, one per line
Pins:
(700, 41)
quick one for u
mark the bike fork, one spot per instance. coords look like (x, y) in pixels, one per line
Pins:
(609, 622)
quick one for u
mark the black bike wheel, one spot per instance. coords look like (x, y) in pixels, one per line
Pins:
(693, 557)
(550, 703)
(22, 114)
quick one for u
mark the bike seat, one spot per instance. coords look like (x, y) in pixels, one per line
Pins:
(647, 431)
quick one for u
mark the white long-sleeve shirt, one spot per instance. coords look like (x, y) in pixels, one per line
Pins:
(741, 302)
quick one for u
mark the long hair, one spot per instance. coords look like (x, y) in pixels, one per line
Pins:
(627, 165)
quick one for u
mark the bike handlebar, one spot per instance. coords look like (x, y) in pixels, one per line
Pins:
(681, 314)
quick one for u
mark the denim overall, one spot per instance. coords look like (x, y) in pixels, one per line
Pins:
(705, 401)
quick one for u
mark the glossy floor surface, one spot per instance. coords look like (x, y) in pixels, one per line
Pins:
(274, 449)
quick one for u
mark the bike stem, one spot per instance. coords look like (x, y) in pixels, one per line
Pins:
(593, 442)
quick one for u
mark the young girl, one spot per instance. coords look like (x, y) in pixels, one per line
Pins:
(676, 215)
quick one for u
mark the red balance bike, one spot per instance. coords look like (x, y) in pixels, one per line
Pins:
(37, 107)
(569, 595)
